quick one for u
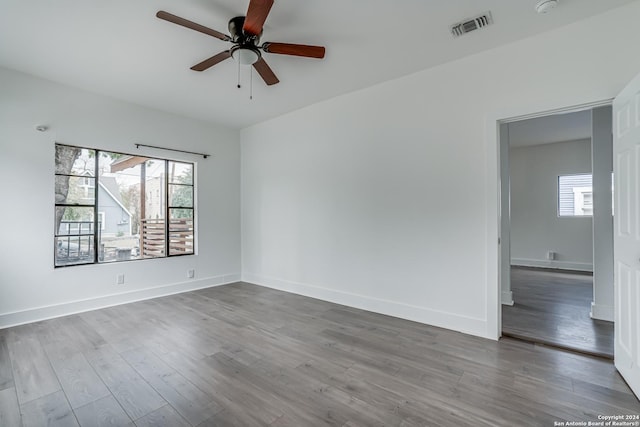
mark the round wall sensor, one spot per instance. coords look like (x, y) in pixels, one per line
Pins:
(41, 128)
(545, 6)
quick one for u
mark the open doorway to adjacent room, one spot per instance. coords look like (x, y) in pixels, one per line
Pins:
(557, 230)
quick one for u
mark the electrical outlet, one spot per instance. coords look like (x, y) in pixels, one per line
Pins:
(120, 280)
(191, 274)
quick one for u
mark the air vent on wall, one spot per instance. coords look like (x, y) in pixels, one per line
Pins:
(471, 24)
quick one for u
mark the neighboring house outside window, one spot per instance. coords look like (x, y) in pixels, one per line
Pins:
(101, 221)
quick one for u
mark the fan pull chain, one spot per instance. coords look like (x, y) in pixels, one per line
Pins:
(238, 74)
(250, 82)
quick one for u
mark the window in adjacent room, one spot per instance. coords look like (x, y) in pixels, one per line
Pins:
(113, 207)
(575, 195)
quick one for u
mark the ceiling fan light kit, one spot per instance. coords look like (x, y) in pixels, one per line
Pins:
(245, 55)
(245, 35)
(544, 6)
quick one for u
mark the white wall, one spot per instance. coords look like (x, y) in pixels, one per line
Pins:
(387, 198)
(535, 225)
(30, 288)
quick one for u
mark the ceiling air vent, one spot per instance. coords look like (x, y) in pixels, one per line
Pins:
(471, 24)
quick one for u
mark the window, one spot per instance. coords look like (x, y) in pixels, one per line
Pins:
(101, 221)
(113, 207)
(575, 195)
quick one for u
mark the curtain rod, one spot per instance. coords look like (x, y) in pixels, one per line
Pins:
(172, 149)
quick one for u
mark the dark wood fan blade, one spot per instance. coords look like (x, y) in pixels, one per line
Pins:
(192, 25)
(208, 63)
(265, 72)
(294, 49)
(256, 15)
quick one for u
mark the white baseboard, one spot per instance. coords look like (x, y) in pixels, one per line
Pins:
(602, 312)
(560, 265)
(442, 319)
(507, 298)
(49, 312)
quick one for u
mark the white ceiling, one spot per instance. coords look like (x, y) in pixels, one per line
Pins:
(119, 48)
(550, 129)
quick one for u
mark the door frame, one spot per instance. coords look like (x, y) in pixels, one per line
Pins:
(494, 230)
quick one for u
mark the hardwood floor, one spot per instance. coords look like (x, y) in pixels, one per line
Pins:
(243, 355)
(553, 307)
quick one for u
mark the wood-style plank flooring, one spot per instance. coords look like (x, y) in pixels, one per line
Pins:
(553, 307)
(243, 355)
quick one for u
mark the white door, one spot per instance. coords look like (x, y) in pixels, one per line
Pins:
(626, 154)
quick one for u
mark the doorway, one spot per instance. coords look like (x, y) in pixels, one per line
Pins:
(557, 239)
(551, 307)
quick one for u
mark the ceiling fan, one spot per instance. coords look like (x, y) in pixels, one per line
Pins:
(245, 36)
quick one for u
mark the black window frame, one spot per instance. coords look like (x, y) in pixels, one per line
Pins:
(93, 234)
(95, 228)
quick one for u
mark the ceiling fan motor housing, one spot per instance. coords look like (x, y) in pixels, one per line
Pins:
(246, 49)
(238, 36)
